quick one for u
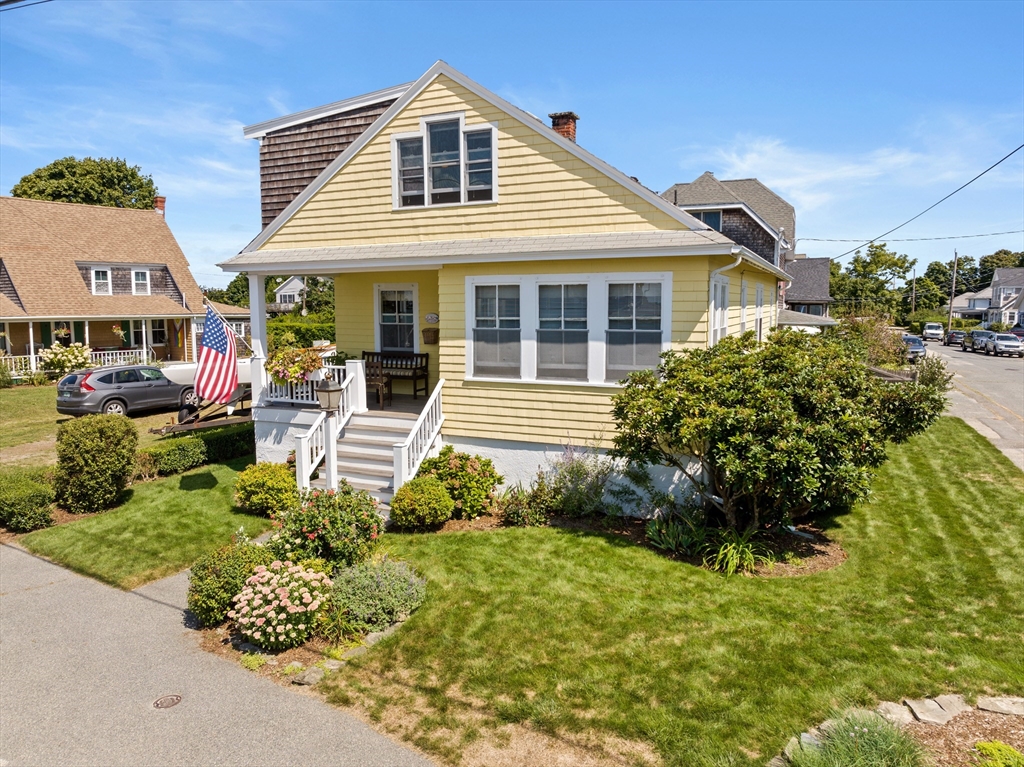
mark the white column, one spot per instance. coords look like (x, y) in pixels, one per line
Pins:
(258, 329)
(32, 346)
(87, 344)
(356, 370)
(192, 332)
(331, 450)
(145, 341)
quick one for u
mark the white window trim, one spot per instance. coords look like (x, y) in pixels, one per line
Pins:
(396, 201)
(415, 288)
(135, 285)
(597, 321)
(719, 315)
(150, 332)
(759, 312)
(743, 306)
(109, 281)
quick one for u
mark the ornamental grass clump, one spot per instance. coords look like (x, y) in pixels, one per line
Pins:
(862, 740)
(277, 609)
(341, 527)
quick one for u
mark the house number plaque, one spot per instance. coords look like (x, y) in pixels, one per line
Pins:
(431, 318)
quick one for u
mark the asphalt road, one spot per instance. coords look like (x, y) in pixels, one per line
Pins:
(989, 395)
(81, 664)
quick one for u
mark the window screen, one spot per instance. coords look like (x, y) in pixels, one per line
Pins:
(634, 328)
(562, 335)
(496, 333)
(410, 168)
(444, 162)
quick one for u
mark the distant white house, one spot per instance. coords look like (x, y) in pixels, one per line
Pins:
(287, 295)
(1007, 286)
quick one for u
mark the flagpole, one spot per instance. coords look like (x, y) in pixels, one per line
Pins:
(210, 306)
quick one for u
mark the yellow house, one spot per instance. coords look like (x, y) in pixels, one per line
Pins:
(532, 275)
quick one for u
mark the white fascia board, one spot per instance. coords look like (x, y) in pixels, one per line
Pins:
(442, 68)
(261, 129)
(734, 206)
(412, 263)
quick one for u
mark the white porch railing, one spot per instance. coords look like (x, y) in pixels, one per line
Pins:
(120, 357)
(422, 440)
(303, 393)
(320, 441)
(19, 364)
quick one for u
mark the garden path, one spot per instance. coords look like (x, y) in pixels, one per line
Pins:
(82, 664)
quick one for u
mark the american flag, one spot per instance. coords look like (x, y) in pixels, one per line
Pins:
(217, 374)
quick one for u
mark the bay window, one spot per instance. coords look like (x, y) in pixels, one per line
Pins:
(497, 343)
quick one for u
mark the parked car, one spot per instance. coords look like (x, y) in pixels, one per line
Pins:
(915, 348)
(121, 389)
(975, 340)
(954, 337)
(1018, 331)
(1004, 343)
(932, 331)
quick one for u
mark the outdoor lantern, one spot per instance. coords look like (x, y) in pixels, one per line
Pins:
(328, 391)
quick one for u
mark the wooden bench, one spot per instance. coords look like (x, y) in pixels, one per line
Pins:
(404, 365)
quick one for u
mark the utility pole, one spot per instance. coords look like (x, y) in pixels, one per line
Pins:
(952, 291)
(913, 294)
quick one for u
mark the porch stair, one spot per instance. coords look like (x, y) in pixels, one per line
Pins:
(366, 457)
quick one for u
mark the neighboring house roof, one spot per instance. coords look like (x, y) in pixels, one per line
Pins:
(441, 68)
(707, 190)
(43, 244)
(494, 249)
(229, 311)
(790, 318)
(810, 280)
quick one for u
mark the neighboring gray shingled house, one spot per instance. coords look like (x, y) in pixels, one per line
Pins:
(1007, 285)
(744, 210)
(808, 292)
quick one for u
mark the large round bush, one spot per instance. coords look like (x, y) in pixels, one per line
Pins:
(470, 480)
(341, 527)
(95, 461)
(277, 608)
(266, 488)
(421, 502)
(373, 595)
(219, 576)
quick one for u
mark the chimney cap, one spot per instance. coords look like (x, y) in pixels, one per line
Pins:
(564, 116)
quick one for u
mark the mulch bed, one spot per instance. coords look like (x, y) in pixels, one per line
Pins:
(952, 744)
(220, 641)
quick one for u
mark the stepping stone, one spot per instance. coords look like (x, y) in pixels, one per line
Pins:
(333, 665)
(928, 711)
(1001, 705)
(310, 676)
(897, 714)
(294, 667)
(809, 741)
(778, 761)
(355, 652)
(791, 748)
(952, 704)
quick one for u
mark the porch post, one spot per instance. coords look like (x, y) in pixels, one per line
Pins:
(258, 330)
(331, 449)
(32, 346)
(87, 344)
(192, 332)
(356, 370)
(145, 342)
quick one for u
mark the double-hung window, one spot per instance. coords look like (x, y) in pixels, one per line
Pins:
(159, 332)
(496, 332)
(101, 282)
(397, 320)
(634, 328)
(445, 164)
(719, 309)
(138, 333)
(562, 335)
(140, 282)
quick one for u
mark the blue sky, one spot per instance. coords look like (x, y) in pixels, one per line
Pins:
(860, 114)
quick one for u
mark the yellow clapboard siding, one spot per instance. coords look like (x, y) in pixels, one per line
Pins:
(543, 189)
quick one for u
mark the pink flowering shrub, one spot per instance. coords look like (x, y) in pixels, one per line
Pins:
(278, 605)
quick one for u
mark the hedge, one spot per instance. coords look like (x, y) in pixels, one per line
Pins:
(305, 332)
(26, 499)
(181, 453)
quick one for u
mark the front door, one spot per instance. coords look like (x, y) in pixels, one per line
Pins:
(396, 318)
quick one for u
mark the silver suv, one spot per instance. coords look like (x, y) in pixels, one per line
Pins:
(1004, 343)
(120, 389)
(933, 331)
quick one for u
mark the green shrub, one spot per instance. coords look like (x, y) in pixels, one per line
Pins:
(227, 443)
(679, 533)
(267, 488)
(95, 461)
(299, 333)
(176, 455)
(341, 527)
(26, 499)
(6, 379)
(373, 595)
(527, 506)
(578, 480)
(999, 754)
(422, 502)
(470, 481)
(730, 551)
(278, 605)
(862, 740)
(216, 579)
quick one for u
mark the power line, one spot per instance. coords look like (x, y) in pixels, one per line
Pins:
(914, 239)
(1007, 157)
(15, 4)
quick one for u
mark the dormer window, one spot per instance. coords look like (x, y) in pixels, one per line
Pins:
(446, 163)
(140, 282)
(712, 218)
(101, 282)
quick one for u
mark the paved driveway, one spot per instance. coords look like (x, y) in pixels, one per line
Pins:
(989, 395)
(81, 664)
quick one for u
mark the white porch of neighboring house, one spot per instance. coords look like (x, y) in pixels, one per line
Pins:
(376, 450)
(110, 340)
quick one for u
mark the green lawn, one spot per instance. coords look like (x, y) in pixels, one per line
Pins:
(29, 421)
(163, 528)
(577, 631)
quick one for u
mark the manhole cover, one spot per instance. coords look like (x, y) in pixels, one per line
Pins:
(167, 701)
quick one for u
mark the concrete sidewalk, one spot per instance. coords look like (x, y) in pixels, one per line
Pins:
(81, 664)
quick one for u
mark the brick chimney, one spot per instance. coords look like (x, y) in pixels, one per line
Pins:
(565, 124)
(160, 205)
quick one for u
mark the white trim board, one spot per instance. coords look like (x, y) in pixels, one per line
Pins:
(442, 68)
